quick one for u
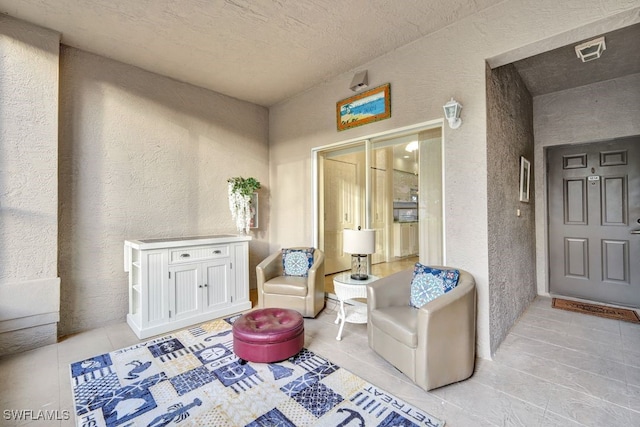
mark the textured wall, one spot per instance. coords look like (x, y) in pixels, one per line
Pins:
(605, 110)
(423, 76)
(512, 260)
(143, 156)
(419, 88)
(28, 185)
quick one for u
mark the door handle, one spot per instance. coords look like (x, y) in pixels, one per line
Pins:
(635, 231)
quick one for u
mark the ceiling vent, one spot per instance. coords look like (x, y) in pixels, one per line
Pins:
(591, 50)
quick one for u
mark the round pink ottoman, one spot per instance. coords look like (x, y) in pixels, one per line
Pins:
(268, 335)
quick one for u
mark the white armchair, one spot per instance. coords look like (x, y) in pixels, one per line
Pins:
(303, 294)
(433, 345)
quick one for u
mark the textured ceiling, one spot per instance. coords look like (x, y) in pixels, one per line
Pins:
(561, 69)
(261, 51)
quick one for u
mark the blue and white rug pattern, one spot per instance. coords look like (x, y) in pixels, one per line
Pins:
(193, 378)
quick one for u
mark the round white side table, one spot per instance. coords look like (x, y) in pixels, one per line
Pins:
(347, 289)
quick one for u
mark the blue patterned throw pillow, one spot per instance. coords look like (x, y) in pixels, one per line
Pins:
(297, 262)
(429, 283)
(450, 279)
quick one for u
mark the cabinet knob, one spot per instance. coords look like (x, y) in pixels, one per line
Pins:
(217, 251)
(206, 286)
(185, 255)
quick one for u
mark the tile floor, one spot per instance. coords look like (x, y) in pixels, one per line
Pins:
(555, 368)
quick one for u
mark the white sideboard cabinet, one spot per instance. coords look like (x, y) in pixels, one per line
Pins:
(177, 282)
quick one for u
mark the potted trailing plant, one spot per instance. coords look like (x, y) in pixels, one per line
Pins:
(240, 192)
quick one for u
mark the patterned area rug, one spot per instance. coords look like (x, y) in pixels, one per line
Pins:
(193, 378)
(597, 310)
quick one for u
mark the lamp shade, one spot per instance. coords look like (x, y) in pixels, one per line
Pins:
(359, 241)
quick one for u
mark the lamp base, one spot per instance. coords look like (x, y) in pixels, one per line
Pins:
(359, 267)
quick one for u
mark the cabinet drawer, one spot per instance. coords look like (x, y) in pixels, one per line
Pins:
(196, 253)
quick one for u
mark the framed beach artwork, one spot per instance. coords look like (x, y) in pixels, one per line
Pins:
(366, 107)
(525, 176)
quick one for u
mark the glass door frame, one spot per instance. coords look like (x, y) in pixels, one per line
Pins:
(316, 153)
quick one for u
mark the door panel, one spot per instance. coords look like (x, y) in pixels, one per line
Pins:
(156, 307)
(184, 290)
(341, 191)
(615, 255)
(575, 201)
(217, 284)
(576, 253)
(614, 206)
(594, 208)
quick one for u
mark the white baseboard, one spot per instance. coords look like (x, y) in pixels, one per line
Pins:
(29, 304)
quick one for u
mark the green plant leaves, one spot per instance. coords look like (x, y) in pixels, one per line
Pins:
(244, 186)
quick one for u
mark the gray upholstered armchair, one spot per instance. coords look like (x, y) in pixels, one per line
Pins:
(304, 294)
(433, 345)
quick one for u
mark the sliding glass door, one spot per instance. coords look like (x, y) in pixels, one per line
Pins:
(391, 184)
(342, 195)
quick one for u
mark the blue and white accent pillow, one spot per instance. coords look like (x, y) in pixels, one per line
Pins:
(429, 283)
(450, 279)
(297, 262)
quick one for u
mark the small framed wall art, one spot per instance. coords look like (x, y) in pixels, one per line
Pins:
(366, 107)
(253, 208)
(525, 176)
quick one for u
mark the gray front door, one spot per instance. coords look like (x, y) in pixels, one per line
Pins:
(594, 221)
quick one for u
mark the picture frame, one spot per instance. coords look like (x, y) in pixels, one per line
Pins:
(369, 106)
(525, 179)
(253, 206)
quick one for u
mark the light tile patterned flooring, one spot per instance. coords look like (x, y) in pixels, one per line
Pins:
(555, 368)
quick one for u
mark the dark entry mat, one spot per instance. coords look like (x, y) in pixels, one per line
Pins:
(597, 310)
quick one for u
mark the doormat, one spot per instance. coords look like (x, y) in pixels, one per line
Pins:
(192, 378)
(597, 310)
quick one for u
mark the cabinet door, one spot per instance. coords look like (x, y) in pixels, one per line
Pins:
(405, 238)
(217, 284)
(397, 244)
(379, 213)
(240, 273)
(154, 304)
(185, 291)
(413, 240)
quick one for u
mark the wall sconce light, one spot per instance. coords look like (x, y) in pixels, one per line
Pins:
(360, 81)
(591, 50)
(452, 113)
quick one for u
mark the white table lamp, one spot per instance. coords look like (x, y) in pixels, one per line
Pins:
(359, 243)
